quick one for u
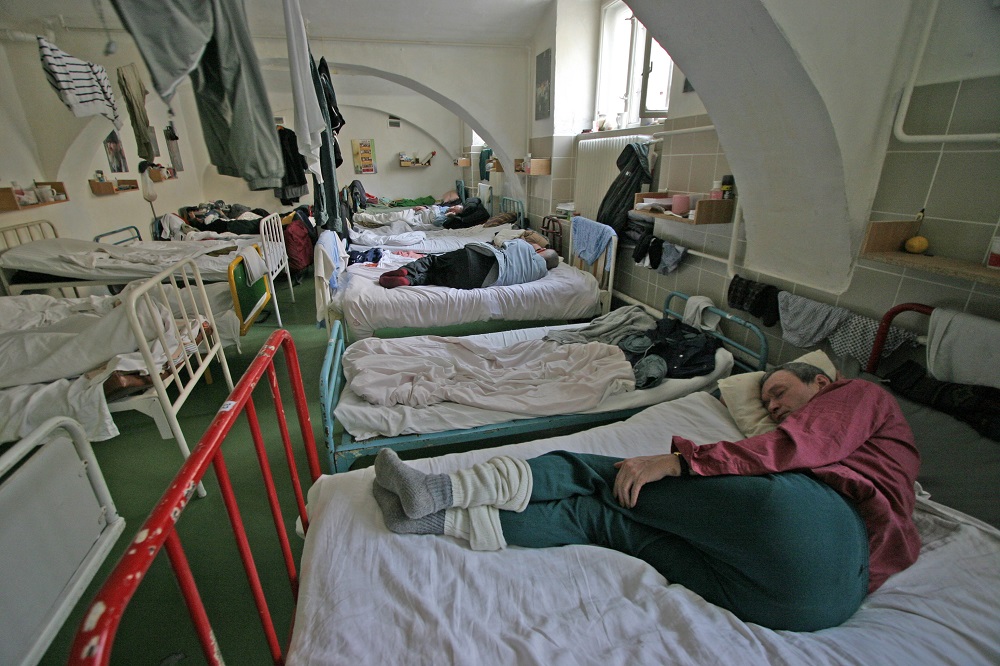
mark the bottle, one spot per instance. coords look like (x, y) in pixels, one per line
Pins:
(716, 192)
(728, 186)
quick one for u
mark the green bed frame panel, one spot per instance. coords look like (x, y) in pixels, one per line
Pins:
(468, 328)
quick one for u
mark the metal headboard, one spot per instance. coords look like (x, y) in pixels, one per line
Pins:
(759, 357)
(516, 206)
(120, 236)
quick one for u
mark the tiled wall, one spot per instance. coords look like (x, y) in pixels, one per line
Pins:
(956, 184)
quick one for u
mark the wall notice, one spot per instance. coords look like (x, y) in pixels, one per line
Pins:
(364, 155)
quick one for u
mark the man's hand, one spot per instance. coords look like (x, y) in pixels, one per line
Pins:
(634, 473)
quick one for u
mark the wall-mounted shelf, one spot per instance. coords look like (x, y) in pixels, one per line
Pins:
(539, 166)
(160, 175)
(8, 202)
(706, 211)
(884, 242)
(103, 188)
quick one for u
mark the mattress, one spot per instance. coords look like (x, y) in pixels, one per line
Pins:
(369, 596)
(565, 293)
(87, 260)
(427, 241)
(365, 421)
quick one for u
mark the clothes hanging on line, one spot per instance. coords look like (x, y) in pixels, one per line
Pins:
(82, 86)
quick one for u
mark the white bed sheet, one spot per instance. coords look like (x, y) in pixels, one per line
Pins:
(369, 596)
(365, 421)
(364, 306)
(87, 260)
(434, 239)
(50, 348)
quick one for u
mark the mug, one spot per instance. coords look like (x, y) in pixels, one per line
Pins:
(681, 205)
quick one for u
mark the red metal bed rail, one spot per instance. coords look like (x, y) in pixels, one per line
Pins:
(883, 330)
(93, 641)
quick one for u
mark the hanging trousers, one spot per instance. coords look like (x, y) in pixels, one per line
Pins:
(781, 550)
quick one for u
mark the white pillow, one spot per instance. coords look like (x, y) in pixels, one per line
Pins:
(741, 393)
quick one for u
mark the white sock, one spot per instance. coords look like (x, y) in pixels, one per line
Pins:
(503, 482)
(479, 525)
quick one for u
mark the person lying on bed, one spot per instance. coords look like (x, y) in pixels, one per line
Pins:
(788, 529)
(475, 266)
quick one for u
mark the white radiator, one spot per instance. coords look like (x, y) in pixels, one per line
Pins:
(595, 170)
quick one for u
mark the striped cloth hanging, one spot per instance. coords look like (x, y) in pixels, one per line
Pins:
(82, 86)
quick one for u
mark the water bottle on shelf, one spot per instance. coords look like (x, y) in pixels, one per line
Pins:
(728, 186)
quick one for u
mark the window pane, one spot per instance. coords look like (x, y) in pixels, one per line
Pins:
(615, 44)
(660, 68)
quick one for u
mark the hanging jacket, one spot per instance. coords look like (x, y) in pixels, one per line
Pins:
(293, 183)
(633, 165)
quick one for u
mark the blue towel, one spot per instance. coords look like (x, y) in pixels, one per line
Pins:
(590, 239)
(329, 240)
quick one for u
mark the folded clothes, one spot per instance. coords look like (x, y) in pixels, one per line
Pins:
(805, 322)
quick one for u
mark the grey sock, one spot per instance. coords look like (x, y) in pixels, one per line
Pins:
(420, 494)
(397, 521)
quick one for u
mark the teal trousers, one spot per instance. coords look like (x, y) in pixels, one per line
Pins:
(781, 550)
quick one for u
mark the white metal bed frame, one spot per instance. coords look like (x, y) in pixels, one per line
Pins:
(275, 257)
(184, 281)
(34, 460)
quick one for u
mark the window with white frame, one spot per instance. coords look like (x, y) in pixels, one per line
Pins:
(634, 75)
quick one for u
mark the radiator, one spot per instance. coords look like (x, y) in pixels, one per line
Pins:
(595, 170)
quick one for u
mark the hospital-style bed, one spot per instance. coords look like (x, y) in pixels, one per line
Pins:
(34, 257)
(368, 596)
(59, 524)
(574, 290)
(534, 385)
(87, 358)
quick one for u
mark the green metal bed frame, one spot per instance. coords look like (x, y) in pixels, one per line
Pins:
(342, 449)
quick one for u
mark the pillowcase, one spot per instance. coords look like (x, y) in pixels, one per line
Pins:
(741, 393)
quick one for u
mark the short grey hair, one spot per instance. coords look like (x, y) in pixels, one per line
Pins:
(551, 258)
(804, 371)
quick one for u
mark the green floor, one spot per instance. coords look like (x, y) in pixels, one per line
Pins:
(138, 465)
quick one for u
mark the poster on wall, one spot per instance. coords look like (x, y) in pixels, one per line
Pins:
(173, 147)
(116, 153)
(364, 155)
(543, 84)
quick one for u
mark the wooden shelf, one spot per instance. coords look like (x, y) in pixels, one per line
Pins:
(884, 242)
(539, 166)
(8, 202)
(103, 188)
(706, 211)
(160, 175)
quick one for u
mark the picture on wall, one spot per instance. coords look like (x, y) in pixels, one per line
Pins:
(173, 147)
(543, 85)
(116, 153)
(363, 151)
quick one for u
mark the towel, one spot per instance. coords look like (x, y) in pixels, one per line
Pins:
(590, 239)
(963, 348)
(696, 314)
(856, 337)
(671, 258)
(805, 322)
(254, 264)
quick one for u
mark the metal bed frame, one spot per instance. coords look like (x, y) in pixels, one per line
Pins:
(61, 480)
(275, 257)
(341, 446)
(249, 298)
(120, 236)
(94, 639)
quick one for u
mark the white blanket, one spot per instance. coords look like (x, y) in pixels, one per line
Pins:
(536, 377)
(83, 260)
(365, 421)
(435, 239)
(963, 348)
(364, 306)
(369, 596)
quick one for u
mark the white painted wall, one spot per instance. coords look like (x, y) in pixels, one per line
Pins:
(577, 35)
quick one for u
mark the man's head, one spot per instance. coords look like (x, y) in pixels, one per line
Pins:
(789, 387)
(550, 256)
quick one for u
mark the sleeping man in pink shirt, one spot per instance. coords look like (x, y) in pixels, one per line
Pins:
(789, 529)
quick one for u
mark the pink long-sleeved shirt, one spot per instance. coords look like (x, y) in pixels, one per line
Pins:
(853, 437)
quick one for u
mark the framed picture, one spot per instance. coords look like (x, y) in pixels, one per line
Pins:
(116, 153)
(363, 151)
(543, 85)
